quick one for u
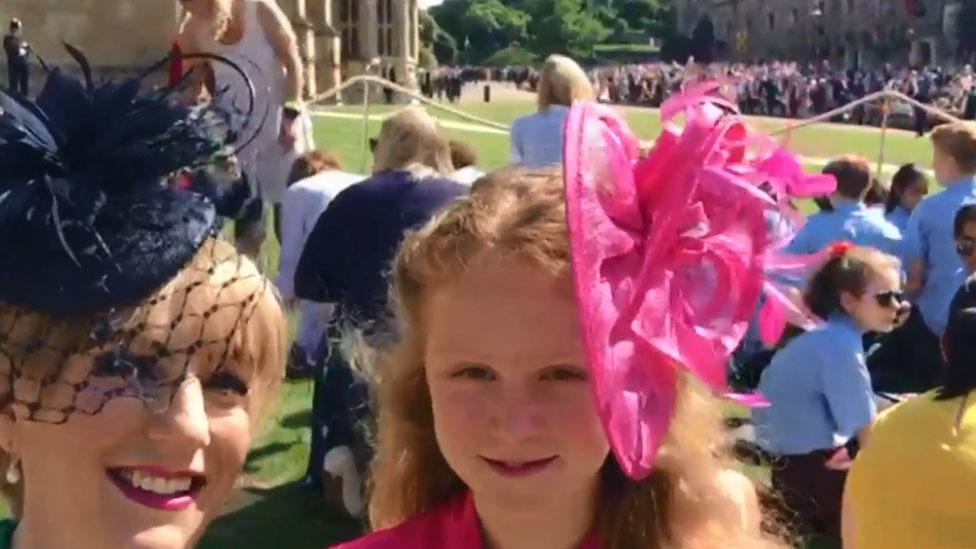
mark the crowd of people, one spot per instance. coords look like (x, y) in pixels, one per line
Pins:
(782, 89)
(540, 356)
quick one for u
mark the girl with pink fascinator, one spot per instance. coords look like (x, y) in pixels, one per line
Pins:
(559, 375)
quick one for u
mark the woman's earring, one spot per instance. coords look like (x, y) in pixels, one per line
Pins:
(13, 470)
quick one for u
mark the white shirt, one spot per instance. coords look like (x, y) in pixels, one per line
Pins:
(468, 175)
(304, 202)
(265, 160)
(537, 139)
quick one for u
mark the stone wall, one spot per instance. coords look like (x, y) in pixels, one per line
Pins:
(867, 32)
(122, 34)
(112, 33)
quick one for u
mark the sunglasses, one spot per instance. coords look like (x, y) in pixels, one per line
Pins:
(888, 299)
(965, 247)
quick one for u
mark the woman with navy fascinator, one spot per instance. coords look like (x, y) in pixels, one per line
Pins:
(137, 348)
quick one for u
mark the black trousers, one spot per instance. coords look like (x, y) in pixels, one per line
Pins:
(18, 75)
(340, 404)
(908, 360)
(921, 121)
(811, 491)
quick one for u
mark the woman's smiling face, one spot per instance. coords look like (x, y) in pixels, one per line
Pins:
(131, 477)
(159, 417)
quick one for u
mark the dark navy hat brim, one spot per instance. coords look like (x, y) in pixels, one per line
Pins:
(139, 243)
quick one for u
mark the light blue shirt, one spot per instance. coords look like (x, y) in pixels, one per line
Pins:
(855, 223)
(929, 238)
(899, 218)
(819, 389)
(537, 139)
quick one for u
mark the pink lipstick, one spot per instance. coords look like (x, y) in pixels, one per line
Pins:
(157, 487)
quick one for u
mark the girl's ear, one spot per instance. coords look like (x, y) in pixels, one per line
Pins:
(848, 302)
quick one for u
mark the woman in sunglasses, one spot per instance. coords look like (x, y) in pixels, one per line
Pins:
(818, 384)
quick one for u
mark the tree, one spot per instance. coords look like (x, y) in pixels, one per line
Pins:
(703, 40)
(490, 25)
(641, 15)
(568, 29)
(512, 56)
(449, 16)
(544, 27)
(487, 25)
(609, 18)
(442, 45)
(675, 46)
(966, 27)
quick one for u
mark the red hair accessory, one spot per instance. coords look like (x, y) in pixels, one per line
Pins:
(176, 65)
(839, 249)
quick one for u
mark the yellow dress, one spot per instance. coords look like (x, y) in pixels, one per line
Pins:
(913, 486)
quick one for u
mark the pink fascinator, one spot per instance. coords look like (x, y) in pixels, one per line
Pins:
(670, 255)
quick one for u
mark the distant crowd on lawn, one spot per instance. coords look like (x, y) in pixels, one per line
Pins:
(774, 88)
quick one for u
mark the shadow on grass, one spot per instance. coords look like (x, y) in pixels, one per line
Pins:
(286, 516)
(297, 420)
(253, 466)
(822, 542)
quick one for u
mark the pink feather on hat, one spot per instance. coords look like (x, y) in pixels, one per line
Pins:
(670, 256)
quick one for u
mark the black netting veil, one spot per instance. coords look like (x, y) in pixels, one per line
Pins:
(51, 368)
(115, 282)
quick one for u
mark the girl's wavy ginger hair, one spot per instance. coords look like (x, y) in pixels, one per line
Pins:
(685, 502)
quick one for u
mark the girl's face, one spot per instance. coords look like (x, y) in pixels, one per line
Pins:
(914, 194)
(880, 307)
(513, 412)
(130, 477)
(966, 246)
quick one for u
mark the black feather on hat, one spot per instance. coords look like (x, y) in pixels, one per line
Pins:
(88, 219)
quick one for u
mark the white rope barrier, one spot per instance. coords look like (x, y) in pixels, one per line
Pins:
(883, 94)
(885, 111)
(887, 96)
(366, 80)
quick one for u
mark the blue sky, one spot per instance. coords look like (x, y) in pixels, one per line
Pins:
(429, 3)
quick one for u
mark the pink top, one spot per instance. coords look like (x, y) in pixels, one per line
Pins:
(453, 525)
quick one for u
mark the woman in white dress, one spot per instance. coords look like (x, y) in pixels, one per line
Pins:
(537, 139)
(258, 35)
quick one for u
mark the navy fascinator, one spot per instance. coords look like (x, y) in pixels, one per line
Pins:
(89, 219)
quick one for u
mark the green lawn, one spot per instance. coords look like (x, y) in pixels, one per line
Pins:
(273, 511)
(816, 142)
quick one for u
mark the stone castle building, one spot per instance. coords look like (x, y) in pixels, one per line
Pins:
(338, 39)
(853, 32)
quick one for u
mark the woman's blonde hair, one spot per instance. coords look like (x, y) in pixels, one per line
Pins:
(562, 81)
(411, 140)
(218, 304)
(522, 212)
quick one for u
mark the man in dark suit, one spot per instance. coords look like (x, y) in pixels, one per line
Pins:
(18, 51)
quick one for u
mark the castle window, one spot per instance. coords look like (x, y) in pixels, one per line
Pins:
(384, 19)
(348, 28)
